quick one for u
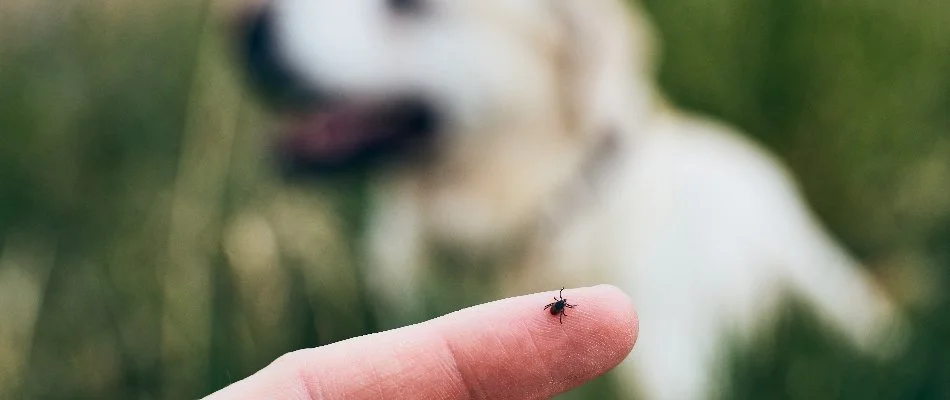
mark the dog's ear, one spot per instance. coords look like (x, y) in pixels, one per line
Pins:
(607, 58)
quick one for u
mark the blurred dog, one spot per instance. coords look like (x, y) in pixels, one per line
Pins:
(532, 131)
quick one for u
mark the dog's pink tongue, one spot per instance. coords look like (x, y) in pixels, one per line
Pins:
(326, 136)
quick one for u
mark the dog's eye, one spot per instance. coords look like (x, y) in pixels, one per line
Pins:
(406, 7)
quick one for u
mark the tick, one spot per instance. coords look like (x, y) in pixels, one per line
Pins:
(559, 305)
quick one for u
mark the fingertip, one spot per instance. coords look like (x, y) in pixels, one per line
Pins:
(515, 346)
(625, 314)
(606, 316)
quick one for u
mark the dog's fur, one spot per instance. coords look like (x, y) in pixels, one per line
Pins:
(557, 156)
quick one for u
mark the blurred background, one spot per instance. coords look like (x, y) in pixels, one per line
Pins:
(148, 249)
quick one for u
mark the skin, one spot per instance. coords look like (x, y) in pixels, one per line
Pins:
(506, 349)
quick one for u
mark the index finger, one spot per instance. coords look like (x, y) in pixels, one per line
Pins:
(507, 349)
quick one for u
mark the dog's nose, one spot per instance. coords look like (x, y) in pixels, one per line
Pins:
(268, 71)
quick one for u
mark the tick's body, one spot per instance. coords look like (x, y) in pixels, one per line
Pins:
(559, 305)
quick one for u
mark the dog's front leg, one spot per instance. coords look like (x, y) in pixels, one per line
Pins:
(395, 253)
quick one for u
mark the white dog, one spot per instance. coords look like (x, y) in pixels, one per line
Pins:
(531, 132)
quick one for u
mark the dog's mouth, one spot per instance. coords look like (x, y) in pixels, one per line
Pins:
(345, 135)
(329, 131)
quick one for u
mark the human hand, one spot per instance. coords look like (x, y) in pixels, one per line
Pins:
(507, 349)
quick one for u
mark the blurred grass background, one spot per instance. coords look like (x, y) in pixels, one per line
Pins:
(148, 250)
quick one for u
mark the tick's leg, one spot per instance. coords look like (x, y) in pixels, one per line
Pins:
(560, 317)
(569, 305)
(549, 305)
(561, 293)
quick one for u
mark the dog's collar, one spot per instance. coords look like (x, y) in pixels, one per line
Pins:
(584, 189)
